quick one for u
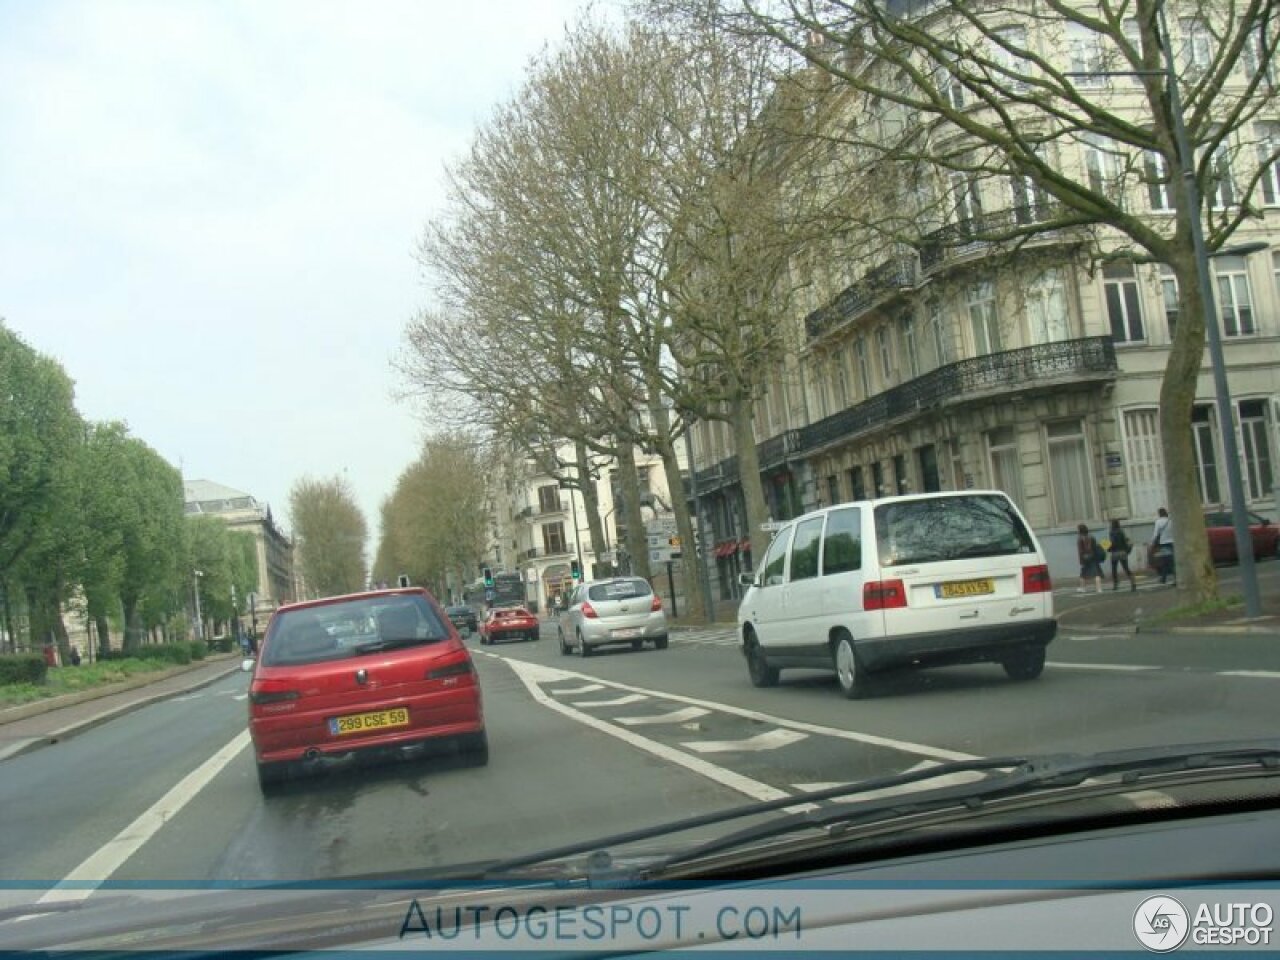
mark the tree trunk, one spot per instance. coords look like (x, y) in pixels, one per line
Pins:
(7, 622)
(696, 603)
(132, 629)
(1194, 565)
(744, 439)
(590, 504)
(629, 481)
(104, 633)
(59, 629)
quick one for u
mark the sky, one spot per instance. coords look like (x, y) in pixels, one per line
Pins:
(209, 211)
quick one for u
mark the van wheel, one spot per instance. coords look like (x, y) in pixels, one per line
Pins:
(762, 675)
(849, 671)
(583, 650)
(1026, 664)
(565, 649)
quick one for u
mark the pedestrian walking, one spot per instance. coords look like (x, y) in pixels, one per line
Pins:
(1119, 549)
(1162, 547)
(1091, 556)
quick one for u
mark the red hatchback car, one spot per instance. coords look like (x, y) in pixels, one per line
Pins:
(508, 623)
(1222, 536)
(367, 673)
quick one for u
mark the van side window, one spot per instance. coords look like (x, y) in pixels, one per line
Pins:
(804, 549)
(776, 558)
(842, 545)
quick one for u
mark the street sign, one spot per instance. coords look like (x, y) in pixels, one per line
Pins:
(772, 526)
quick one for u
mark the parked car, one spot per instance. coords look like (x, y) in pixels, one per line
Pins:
(914, 581)
(380, 672)
(462, 617)
(623, 610)
(1222, 536)
(508, 623)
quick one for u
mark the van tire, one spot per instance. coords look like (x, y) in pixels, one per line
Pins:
(1025, 664)
(762, 675)
(583, 650)
(849, 671)
(565, 649)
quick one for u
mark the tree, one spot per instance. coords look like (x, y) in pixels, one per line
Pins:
(331, 534)
(153, 544)
(938, 99)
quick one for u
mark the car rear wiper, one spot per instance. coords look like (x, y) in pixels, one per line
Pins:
(390, 643)
(1010, 776)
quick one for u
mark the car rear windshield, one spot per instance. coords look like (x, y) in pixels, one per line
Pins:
(949, 528)
(352, 628)
(510, 613)
(619, 590)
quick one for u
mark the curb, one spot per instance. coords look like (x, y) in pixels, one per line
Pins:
(71, 729)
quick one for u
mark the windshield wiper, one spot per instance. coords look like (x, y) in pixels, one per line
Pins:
(1010, 776)
(390, 643)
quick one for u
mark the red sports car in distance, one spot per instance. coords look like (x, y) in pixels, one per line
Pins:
(1222, 536)
(508, 623)
(382, 672)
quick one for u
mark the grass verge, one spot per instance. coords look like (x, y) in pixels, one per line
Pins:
(1191, 611)
(63, 680)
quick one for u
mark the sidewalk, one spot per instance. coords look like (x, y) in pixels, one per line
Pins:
(44, 722)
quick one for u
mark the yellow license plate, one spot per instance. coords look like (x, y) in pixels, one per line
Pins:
(965, 588)
(368, 722)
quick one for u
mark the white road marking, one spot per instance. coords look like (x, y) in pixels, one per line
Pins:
(189, 696)
(589, 688)
(532, 675)
(769, 740)
(241, 696)
(112, 855)
(615, 702)
(676, 716)
(1262, 674)
(1123, 667)
(947, 780)
(555, 675)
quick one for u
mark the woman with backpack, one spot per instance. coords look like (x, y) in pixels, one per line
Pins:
(1091, 556)
(1121, 545)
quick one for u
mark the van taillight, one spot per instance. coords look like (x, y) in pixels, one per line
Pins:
(588, 610)
(1036, 579)
(260, 697)
(883, 595)
(461, 668)
(657, 603)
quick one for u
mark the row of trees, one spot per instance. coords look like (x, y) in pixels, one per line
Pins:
(329, 536)
(627, 232)
(92, 514)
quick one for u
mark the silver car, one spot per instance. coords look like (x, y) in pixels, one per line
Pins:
(617, 611)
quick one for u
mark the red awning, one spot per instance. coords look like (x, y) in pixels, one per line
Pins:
(745, 544)
(726, 548)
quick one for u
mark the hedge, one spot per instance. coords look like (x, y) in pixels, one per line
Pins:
(199, 650)
(22, 668)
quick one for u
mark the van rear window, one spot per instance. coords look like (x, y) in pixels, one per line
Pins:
(949, 528)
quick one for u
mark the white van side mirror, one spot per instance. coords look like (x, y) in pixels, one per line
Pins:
(247, 664)
(747, 579)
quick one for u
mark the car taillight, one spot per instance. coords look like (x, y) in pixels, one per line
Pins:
(260, 697)
(589, 611)
(657, 603)
(461, 668)
(1036, 579)
(883, 595)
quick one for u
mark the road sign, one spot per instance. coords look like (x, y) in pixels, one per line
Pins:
(772, 526)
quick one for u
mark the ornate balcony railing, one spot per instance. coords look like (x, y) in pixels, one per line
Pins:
(1087, 358)
(976, 234)
(899, 272)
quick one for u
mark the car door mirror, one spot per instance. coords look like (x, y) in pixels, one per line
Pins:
(247, 664)
(747, 579)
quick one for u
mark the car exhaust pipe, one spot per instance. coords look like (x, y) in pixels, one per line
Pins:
(312, 755)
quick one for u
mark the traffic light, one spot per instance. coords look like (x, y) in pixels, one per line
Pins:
(575, 569)
(488, 577)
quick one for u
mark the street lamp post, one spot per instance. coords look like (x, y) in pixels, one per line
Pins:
(197, 574)
(1222, 392)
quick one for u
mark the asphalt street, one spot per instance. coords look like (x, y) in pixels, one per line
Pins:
(587, 747)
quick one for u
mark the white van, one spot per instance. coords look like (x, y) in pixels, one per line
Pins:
(915, 581)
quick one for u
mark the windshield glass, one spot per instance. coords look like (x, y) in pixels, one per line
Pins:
(433, 433)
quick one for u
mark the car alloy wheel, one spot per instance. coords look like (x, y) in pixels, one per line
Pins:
(849, 672)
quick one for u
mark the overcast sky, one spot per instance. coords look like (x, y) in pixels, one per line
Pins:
(208, 212)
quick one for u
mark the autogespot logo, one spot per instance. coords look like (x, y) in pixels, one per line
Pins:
(1161, 924)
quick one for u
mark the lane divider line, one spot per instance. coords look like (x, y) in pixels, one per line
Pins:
(113, 854)
(1122, 667)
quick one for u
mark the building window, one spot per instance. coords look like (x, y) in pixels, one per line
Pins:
(1169, 294)
(864, 365)
(1013, 67)
(1234, 298)
(553, 538)
(1257, 448)
(1268, 141)
(1085, 50)
(1069, 472)
(1046, 299)
(548, 498)
(1030, 201)
(857, 488)
(840, 374)
(885, 349)
(1197, 46)
(982, 317)
(1275, 273)
(957, 465)
(1124, 305)
(1159, 185)
(1222, 188)
(1103, 165)
(833, 489)
(1144, 461)
(909, 345)
(1203, 440)
(877, 479)
(1253, 55)
(824, 391)
(1006, 468)
(938, 333)
(968, 201)
(901, 480)
(927, 457)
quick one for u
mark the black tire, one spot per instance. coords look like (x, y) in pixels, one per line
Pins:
(565, 649)
(271, 776)
(583, 650)
(848, 665)
(1025, 664)
(758, 669)
(661, 643)
(533, 637)
(637, 644)
(474, 748)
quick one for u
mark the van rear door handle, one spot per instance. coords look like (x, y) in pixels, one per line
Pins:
(969, 616)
